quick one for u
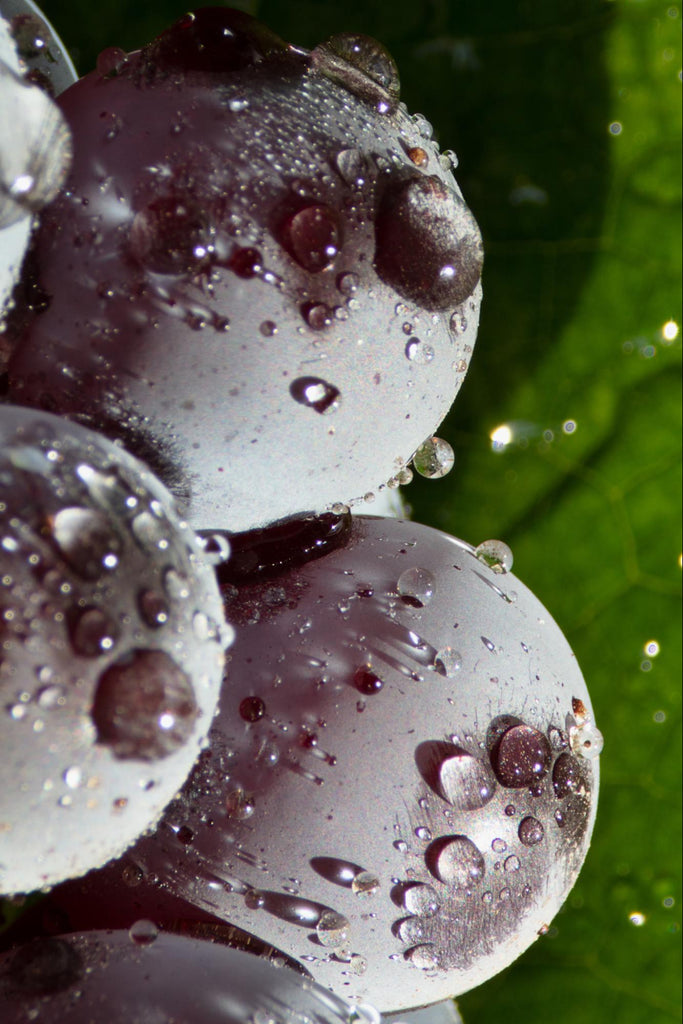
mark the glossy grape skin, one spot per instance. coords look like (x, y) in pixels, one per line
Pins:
(111, 649)
(396, 715)
(221, 287)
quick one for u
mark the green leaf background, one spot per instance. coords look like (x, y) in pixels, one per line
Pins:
(566, 117)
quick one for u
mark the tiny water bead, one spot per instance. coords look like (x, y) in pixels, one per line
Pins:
(416, 587)
(366, 681)
(496, 555)
(316, 393)
(434, 458)
(530, 831)
(312, 237)
(332, 929)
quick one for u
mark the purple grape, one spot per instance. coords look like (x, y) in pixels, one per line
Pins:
(111, 649)
(396, 790)
(260, 275)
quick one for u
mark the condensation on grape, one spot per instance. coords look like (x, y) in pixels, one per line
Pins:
(434, 458)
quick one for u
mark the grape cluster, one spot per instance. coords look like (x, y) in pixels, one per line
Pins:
(349, 745)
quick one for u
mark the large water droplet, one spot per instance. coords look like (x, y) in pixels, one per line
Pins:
(171, 235)
(315, 393)
(421, 899)
(332, 929)
(586, 740)
(567, 776)
(495, 554)
(85, 541)
(521, 757)
(448, 662)
(466, 781)
(143, 932)
(427, 243)
(416, 587)
(362, 65)
(312, 237)
(365, 883)
(531, 831)
(434, 458)
(455, 860)
(144, 706)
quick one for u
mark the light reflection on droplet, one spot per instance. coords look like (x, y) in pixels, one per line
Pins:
(670, 331)
(501, 437)
(637, 918)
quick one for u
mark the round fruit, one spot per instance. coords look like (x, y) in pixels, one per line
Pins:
(261, 275)
(401, 783)
(111, 649)
(119, 977)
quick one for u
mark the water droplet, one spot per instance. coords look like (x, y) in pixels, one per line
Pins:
(421, 899)
(423, 833)
(176, 585)
(511, 864)
(419, 352)
(366, 681)
(84, 539)
(312, 237)
(111, 61)
(73, 777)
(215, 547)
(132, 876)
(400, 845)
(365, 883)
(423, 957)
(448, 662)
(531, 831)
(586, 740)
(317, 315)
(466, 781)
(521, 757)
(499, 846)
(416, 587)
(411, 930)
(153, 608)
(423, 126)
(332, 929)
(92, 633)
(255, 899)
(172, 235)
(418, 156)
(351, 166)
(239, 805)
(246, 262)
(434, 458)
(252, 709)
(144, 706)
(427, 243)
(51, 697)
(316, 394)
(360, 64)
(358, 964)
(455, 860)
(567, 776)
(143, 932)
(495, 554)
(348, 283)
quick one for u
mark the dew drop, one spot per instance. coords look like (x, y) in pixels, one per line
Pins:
(246, 262)
(423, 833)
(411, 930)
(252, 709)
(567, 777)
(332, 929)
(419, 352)
(434, 458)
(111, 61)
(348, 283)
(316, 394)
(511, 864)
(455, 860)
(360, 64)
(400, 845)
(495, 554)
(466, 782)
(144, 706)
(421, 899)
(239, 805)
(521, 757)
(418, 156)
(416, 587)
(458, 322)
(351, 166)
(93, 633)
(423, 957)
(255, 899)
(84, 539)
(427, 243)
(143, 932)
(531, 831)
(365, 883)
(171, 235)
(366, 681)
(317, 315)
(586, 740)
(312, 237)
(448, 662)
(153, 608)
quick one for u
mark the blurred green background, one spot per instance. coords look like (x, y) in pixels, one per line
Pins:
(566, 118)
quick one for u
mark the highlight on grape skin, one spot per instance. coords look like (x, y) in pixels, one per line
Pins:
(397, 782)
(112, 636)
(269, 211)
